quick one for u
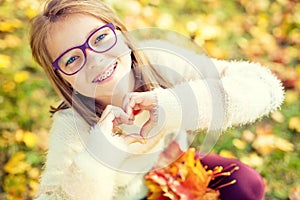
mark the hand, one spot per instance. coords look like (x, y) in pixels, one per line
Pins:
(133, 103)
(111, 117)
(115, 151)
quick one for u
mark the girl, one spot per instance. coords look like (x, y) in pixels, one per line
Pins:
(123, 104)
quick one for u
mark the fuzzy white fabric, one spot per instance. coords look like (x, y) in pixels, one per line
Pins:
(206, 94)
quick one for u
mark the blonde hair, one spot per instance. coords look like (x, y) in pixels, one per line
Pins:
(55, 10)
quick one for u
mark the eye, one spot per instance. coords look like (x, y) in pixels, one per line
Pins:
(100, 37)
(71, 60)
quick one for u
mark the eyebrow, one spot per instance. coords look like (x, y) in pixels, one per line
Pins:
(89, 33)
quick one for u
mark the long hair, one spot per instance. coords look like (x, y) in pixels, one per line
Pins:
(55, 10)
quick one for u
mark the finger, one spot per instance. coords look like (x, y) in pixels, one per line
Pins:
(126, 105)
(136, 98)
(145, 100)
(149, 124)
(116, 115)
(120, 116)
(135, 104)
(115, 123)
(147, 127)
(133, 138)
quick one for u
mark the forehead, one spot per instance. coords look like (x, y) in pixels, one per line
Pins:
(70, 31)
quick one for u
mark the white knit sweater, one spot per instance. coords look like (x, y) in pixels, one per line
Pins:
(206, 94)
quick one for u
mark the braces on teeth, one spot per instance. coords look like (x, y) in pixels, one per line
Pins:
(106, 74)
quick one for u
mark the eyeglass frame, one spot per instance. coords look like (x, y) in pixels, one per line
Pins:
(83, 48)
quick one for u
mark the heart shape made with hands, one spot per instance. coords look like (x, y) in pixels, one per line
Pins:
(142, 110)
(132, 133)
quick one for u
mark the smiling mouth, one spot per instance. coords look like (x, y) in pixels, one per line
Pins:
(106, 74)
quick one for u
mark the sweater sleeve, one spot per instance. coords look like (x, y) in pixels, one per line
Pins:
(71, 172)
(212, 94)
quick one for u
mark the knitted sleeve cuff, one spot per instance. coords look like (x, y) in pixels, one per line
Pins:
(169, 109)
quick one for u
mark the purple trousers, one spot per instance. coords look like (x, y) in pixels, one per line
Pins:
(249, 184)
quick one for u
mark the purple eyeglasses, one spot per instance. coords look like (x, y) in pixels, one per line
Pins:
(73, 60)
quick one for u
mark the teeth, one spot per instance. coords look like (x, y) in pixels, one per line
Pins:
(106, 74)
(103, 77)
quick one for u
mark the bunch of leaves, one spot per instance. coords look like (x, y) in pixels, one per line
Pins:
(180, 175)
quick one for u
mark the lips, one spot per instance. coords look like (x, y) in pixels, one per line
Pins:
(106, 73)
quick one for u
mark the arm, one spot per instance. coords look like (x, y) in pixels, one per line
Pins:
(70, 170)
(213, 94)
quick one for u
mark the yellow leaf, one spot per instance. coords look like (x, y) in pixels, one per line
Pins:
(30, 13)
(291, 96)
(264, 129)
(15, 186)
(266, 144)
(248, 136)
(16, 164)
(19, 134)
(6, 27)
(33, 184)
(21, 76)
(227, 154)
(294, 124)
(8, 86)
(214, 50)
(11, 41)
(33, 173)
(283, 144)
(10, 25)
(30, 139)
(277, 116)
(239, 143)
(5, 61)
(252, 160)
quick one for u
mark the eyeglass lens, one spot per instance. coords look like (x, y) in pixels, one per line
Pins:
(74, 59)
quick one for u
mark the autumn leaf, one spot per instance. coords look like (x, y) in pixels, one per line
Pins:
(15, 186)
(266, 144)
(16, 164)
(252, 159)
(5, 61)
(21, 76)
(30, 139)
(294, 124)
(184, 178)
(277, 116)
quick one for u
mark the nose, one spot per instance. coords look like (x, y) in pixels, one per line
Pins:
(93, 59)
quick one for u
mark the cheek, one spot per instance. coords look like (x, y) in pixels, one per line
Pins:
(121, 48)
(75, 81)
(69, 79)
